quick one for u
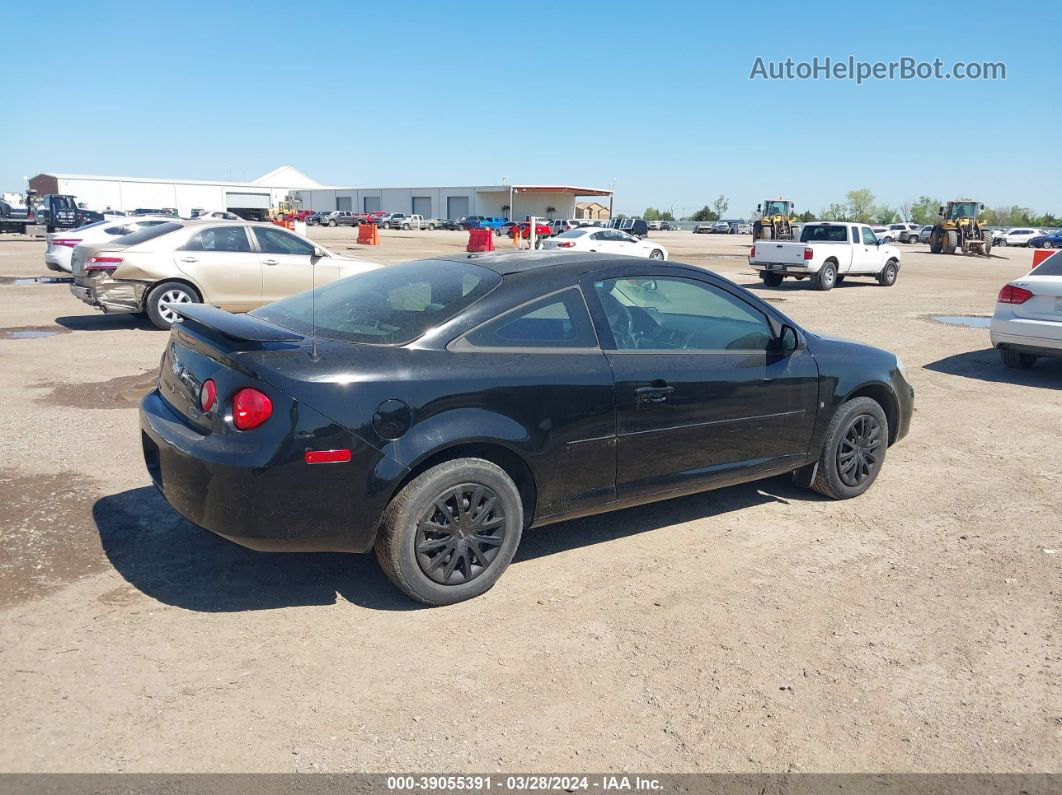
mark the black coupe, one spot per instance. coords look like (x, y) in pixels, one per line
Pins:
(435, 410)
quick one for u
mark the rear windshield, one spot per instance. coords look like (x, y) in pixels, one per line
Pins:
(147, 233)
(574, 233)
(820, 233)
(1052, 266)
(390, 306)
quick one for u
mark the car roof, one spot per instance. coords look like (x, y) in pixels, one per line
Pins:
(522, 262)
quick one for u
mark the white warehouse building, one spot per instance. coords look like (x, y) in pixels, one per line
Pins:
(248, 199)
(515, 202)
(251, 199)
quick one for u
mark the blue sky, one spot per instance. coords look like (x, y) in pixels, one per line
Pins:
(654, 96)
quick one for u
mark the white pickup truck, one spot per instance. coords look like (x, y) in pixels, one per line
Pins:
(827, 252)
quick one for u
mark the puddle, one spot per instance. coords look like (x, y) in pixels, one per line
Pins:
(22, 282)
(968, 321)
(30, 332)
(116, 393)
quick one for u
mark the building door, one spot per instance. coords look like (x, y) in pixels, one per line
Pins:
(422, 206)
(370, 204)
(343, 202)
(456, 207)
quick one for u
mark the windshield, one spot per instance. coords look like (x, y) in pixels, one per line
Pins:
(1052, 266)
(823, 233)
(776, 208)
(962, 210)
(390, 306)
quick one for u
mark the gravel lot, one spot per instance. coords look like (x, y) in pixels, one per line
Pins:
(755, 628)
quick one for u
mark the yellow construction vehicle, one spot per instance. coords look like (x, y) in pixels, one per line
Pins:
(285, 210)
(775, 221)
(960, 230)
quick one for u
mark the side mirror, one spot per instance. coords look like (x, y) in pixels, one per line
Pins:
(940, 211)
(789, 340)
(759, 208)
(319, 252)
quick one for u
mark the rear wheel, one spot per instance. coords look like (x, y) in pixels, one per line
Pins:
(158, 303)
(1048, 244)
(1019, 361)
(854, 451)
(451, 532)
(656, 254)
(826, 277)
(773, 279)
(887, 277)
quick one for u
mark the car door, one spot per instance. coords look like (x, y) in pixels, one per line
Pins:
(288, 263)
(221, 262)
(702, 395)
(623, 243)
(598, 242)
(866, 253)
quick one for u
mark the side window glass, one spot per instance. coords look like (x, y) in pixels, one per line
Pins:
(277, 241)
(558, 321)
(219, 238)
(671, 314)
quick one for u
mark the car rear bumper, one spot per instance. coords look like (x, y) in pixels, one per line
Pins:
(784, 268)
(1040, 345)
(110, 296)
(264, 495)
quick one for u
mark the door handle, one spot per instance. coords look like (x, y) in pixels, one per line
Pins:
(189, 259)
(269, 262)
(653, 394)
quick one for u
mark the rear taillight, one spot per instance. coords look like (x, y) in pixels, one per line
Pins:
(102, 264)
(208, 395)
(69, 242)
(753, 252)
(808, 253)
(566, 245)
(250, 408)
(1013, 295)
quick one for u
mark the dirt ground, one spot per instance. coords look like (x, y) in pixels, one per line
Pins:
(755, 628)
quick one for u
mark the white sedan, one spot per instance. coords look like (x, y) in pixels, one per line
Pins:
(61, 245)
(605, 241)
(1028, 318)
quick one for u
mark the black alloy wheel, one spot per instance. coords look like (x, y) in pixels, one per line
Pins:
(460, 534)
(858, 452)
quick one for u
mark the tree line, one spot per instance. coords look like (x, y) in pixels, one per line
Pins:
(860, 205)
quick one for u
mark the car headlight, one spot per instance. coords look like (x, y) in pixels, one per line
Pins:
(903, 369)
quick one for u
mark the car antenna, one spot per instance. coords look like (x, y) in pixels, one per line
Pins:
(313, 308)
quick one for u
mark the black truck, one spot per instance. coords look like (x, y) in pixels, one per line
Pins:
(52, 211)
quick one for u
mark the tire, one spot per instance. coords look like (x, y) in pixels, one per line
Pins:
(168, 292)
(826, 278)
(656, 254)
(768, 233)
(1003, 242)
(887, 277)
(1017, 361)
(385, 225)
(950, 241)
(936, 240)
(431, 227)
(773, 279)
(1048, 244)
(854, 450)
(405, 227)
(436, 499)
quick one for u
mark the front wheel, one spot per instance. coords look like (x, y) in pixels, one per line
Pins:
(827, 277)
(887, 277)
(854, 451)
(158, 304)
(451, 532)
(333, 222)
(1018, 361)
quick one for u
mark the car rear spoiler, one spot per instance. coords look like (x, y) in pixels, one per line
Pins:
(234, 327)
